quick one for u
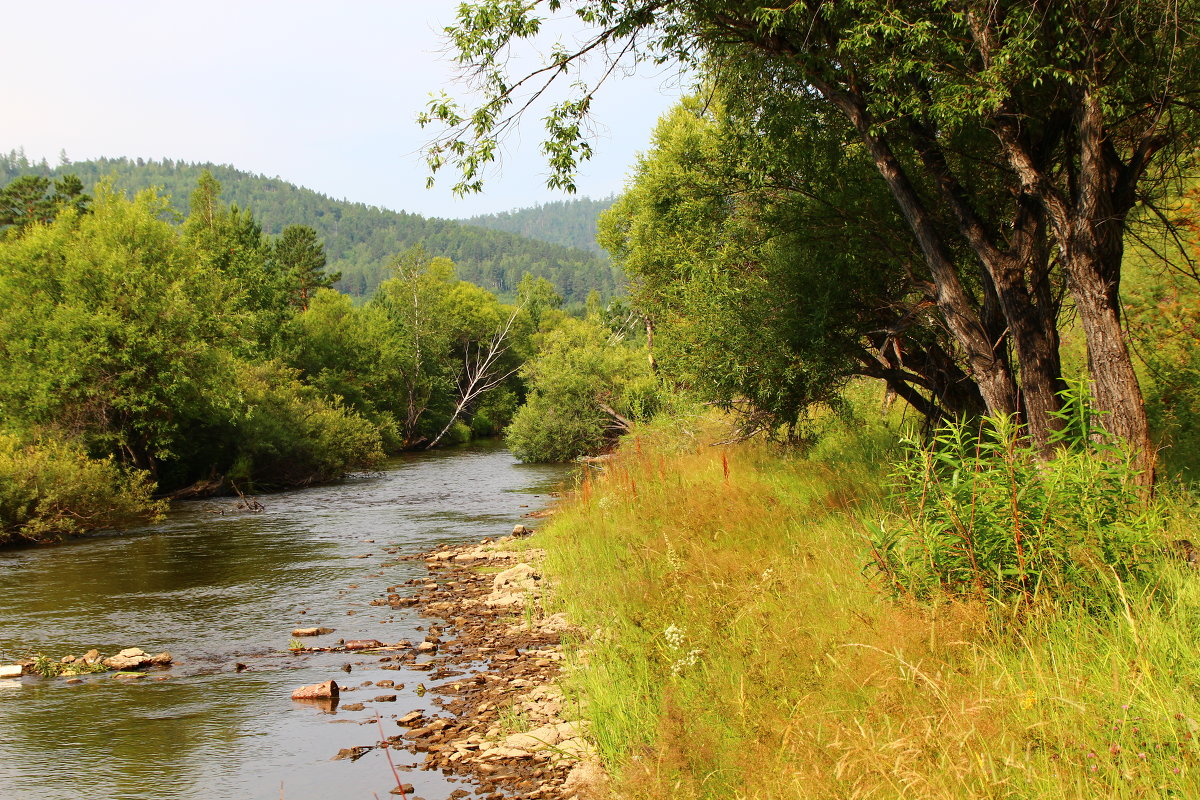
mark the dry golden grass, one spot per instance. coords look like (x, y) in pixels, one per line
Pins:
(741, 650)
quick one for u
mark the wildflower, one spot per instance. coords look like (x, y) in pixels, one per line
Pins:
(675, 637)
(1029, 701)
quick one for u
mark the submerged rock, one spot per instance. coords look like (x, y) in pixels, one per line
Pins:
(311, 631)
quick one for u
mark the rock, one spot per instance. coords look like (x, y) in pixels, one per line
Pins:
(411, 718)
(406, 788)
(426, 647)
(312, 631)
(385, 698)
(353, 707)
(91, 656)
(352, 753)
(586, 780)
(11, 671)
(161, 660)
(129, 658)
(317, 691)
(542, 738)
(363, 644)
(521, 530)
(522, 576)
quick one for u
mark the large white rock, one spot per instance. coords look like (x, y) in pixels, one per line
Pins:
(11, 671)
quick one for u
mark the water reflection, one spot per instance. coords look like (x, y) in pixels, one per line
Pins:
(216, 588)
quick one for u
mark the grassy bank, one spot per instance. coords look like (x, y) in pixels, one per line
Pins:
(742, 649)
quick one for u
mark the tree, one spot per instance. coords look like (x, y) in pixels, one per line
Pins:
(1017, 130)
(33, 199)
(774, 274)
(584, 390)
(300, 257)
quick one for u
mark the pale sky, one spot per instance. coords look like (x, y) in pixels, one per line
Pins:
(321, 94)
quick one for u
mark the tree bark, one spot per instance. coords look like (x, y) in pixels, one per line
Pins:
(984, 354)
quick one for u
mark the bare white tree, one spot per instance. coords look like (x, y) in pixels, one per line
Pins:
(480, 373)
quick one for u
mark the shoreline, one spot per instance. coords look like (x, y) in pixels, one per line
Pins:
(503, 723)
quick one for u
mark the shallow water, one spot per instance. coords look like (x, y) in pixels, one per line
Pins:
(216, 586)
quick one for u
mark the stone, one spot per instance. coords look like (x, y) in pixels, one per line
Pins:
(317, 691)
(363, 644)
(312, 631)
(521, 576)
(404, 789)
(521, 530)
(353, 707)
(411, 718)
(91, 656)
(385, 698)
(129, 658)
(11, 671)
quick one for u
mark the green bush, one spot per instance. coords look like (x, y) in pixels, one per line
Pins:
(290, 435)
(545, 431)
(52, 488)
(585, 386)
(979, 514)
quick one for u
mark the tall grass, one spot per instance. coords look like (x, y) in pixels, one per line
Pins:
(741, 648)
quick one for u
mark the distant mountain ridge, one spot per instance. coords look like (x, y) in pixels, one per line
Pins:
(570, 223)
(360, 240)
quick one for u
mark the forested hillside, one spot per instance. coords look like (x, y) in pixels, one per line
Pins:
(570, 223)
(360, 240)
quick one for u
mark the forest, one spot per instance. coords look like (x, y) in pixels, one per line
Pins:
(360, 240)
(914, 512)
(570, 223)
(888, 435)
(148, 359)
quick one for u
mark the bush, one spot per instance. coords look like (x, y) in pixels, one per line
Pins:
(980, 514)
(545, 431)
(292, 436)
(51, 488)
(585, 386)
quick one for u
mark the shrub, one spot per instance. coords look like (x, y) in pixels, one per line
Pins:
(289, 435)
(978, 513)
(52, 488)
(545, 431)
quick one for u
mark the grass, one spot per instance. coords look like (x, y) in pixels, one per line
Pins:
(741, 649)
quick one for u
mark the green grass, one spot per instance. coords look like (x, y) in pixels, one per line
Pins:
(788, 672)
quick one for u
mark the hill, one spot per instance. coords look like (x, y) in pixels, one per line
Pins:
(360, 240)
(570, 223)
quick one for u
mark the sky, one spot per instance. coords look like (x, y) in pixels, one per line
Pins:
(323, 95)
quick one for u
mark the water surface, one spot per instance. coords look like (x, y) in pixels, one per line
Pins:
(216, 586)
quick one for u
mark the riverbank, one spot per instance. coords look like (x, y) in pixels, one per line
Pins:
(743, 647)
(495, 661)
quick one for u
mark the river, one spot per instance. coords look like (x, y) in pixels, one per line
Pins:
(215, 587)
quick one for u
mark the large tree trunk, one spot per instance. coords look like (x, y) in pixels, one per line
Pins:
(1088, 224)
(985, 355)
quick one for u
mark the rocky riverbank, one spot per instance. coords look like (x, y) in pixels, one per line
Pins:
(494, 660)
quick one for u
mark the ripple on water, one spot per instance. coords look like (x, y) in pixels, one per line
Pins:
(215, 586)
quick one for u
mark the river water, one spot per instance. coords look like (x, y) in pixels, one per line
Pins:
(215, 587)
